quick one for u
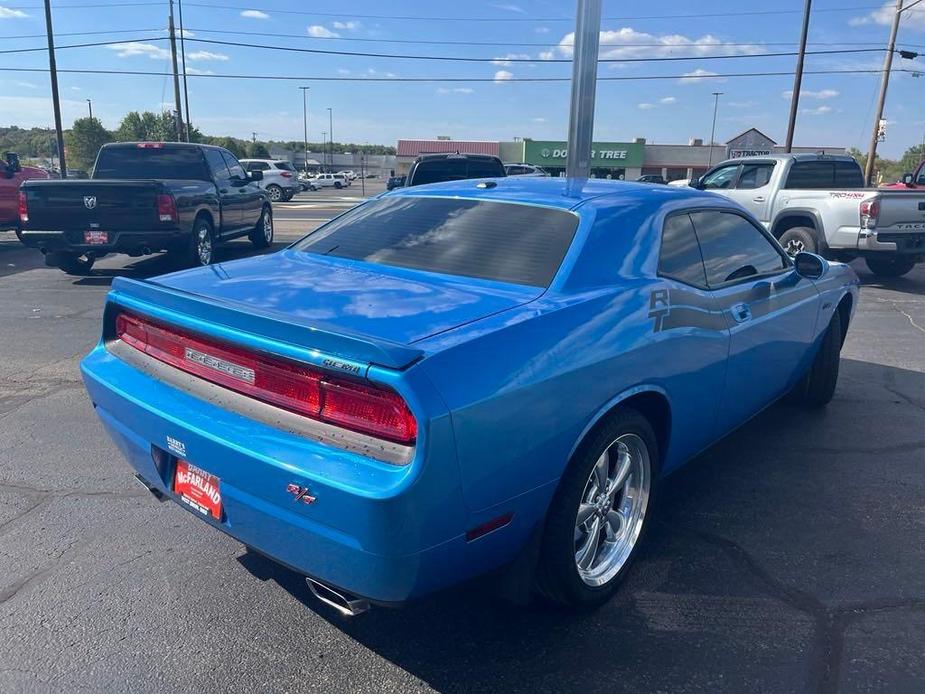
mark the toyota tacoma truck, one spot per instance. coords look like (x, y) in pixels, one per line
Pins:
(819, 203)
(145, 197)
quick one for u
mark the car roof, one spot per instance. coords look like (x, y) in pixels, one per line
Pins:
(552, 192)
(797, 156)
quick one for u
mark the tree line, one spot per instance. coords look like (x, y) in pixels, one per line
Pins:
(85, 137)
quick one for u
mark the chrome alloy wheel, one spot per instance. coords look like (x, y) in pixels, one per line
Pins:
(612, 510)
(204, 245)
(268, 227)
(794, 246)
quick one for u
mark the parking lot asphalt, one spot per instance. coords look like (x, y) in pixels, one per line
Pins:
(787, 558)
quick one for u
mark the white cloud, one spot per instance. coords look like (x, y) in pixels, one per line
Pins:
(505, 60)
(809, 94)
(700, 75)
(645, 106)
(538, 119)
(136, 48)
(197, 71)
(343, 71)
(508, 7)
(628, 43)
(255, 14)
(320, 32)
(349, 26)
(541, 30)
(547, 55)
(819, 111)
(25, 85)
(667, 100)
(913, 18)
(455, 90)
(503, 76)
(741, 104)
(376, 73)
(207, 55)
(7, 13)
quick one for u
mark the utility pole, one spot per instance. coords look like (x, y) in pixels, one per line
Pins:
(183, 59)
(56, 102)
(176, 75)
(716, 96)
(90, 106)
(331, 133)
(798, 78)
(584, 85)
(254, 136)
(881, 100)
(305, 125)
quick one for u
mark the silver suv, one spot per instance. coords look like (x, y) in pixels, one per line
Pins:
(524, 169)
(279, 178)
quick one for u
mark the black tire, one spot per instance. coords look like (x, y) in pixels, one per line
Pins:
(557, 577)
(799, 239)
(191, 254)
(288, 196)
(895, 266)
(338, 185)
(77, 264)
(275, 193)
(262, 235)
(817, 387)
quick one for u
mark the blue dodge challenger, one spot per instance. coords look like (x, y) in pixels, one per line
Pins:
(462, 377)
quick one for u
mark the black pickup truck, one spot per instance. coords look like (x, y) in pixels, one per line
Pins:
(145, 197)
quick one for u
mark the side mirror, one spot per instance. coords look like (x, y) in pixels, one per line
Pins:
(695, 183)
(255, 175)
(810, 265)
(908, 179)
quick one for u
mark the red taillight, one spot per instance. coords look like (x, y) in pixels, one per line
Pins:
(23, 207)
(286, 174)
(362, 407)
(167, 209)
(869, 211)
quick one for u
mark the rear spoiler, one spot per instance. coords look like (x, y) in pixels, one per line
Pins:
(159, 301)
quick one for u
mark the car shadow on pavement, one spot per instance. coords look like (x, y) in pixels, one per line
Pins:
(765, 553)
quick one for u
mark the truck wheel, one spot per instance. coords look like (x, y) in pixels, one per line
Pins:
(797, 240)
(72, 263)
(275, 193)
(338, 185)
(262, 235)
(890, 267)
(598, 515)
(817, 387)
(200, 249)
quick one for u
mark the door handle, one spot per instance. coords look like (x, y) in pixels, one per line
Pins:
(758, 198)
(741, 313)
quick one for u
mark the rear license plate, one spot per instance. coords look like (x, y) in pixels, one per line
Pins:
(96, 238)
(198, 489)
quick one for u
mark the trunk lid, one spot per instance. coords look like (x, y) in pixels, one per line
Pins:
(89, 204)
(358, 311)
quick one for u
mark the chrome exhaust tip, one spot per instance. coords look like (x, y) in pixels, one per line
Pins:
(348, 605)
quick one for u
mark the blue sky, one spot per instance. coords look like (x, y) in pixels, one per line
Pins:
(836, 109)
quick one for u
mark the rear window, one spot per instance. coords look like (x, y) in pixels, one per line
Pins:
(820, 175)
(437, 170)
(284, 165)
(137, 163)
(499, 241)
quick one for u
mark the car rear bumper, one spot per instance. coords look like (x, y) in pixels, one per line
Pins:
(377, 531)
(901, 243)
(119, 241)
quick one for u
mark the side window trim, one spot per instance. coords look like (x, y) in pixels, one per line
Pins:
(742, 167)
(677, 213)
(788, 262)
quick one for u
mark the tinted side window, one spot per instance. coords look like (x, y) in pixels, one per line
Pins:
(721, 178)
(733, 248)
(680, 257)
(755, 175)
(438, 170)
(480, 168)
(811, 175)
(848, 174)
(217, 164)
(236, 170)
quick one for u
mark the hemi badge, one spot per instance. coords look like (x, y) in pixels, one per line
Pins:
(242, 373)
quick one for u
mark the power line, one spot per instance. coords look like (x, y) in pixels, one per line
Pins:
(79, 33)
(537, 44)
(619, 78)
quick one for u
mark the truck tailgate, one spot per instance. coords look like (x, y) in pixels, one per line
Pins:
(85, 204)
(901, 211)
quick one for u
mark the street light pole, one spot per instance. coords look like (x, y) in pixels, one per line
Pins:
(798, 78)
(716, 96)
(324, 150)
(584, 85)
(881, 100)
(56, 102)
(90, 106)
(305, 125)
(331, 133)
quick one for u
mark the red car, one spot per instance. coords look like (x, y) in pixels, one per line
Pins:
(12, 174)
(910, 181)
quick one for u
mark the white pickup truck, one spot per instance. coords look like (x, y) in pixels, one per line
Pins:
(818, 203)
